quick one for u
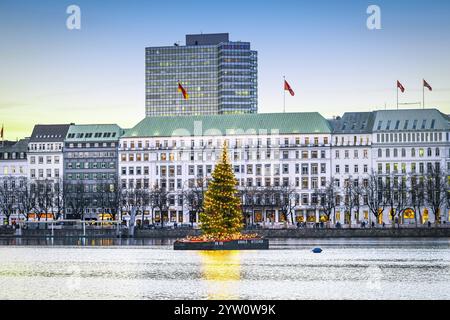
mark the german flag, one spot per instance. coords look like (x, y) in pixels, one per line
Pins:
(183, 91)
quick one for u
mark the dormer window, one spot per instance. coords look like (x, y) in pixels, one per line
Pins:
(433, 123)
(388, 126)
(380, 123)
(424, 123)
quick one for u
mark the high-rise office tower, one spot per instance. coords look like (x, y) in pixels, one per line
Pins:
(219, 75)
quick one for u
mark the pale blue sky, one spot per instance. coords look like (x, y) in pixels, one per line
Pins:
(332, 61)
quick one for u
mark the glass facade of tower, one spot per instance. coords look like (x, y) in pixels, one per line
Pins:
(237, 78)
(219, 76)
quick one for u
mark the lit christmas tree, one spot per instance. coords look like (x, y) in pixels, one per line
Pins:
(222, 218)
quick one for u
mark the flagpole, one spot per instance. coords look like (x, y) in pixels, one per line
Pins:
(423, 93)
(284, 94)
(397, 96)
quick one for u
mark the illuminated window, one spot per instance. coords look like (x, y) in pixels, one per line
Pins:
(421, 152)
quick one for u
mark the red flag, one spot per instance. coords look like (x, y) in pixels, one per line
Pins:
(426, 85)
(287, 87)
(400, 86)
(183, 90)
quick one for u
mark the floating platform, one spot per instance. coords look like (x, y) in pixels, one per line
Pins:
(250, 244)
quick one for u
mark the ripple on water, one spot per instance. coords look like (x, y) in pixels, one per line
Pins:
(347, 269)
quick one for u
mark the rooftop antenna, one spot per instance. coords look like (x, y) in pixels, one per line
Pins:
(411, 104)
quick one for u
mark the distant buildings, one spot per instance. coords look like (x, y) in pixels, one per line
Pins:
(219, 75)
(90, 170)
(45, 153)
(13, 158)
(158, 168)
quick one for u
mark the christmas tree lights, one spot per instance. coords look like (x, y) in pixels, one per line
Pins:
(222, 217)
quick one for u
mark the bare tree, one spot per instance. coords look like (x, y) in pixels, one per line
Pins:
(436, 190)
(141, 199)
(125, 200)
(375, 192)
(417, 196)
(58, 191)
(349, 199)
(389, 192)
(270, 198)
(8, 199)
(114, 197)
(357, 195)
(251, 201)
(327, 199)
(287, 201)
(107, 198)
(76, 199)
(44, 198)
(160, 200)
(193, 198)
(25, 199)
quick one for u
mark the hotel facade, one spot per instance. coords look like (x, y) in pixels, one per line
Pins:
(302, 151)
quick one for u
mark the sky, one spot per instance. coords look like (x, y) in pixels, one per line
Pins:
(333, 62)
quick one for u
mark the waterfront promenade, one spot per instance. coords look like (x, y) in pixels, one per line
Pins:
(175, 233)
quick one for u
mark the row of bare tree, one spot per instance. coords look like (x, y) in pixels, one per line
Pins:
(18, 196)
(375, 192)
(378, 193)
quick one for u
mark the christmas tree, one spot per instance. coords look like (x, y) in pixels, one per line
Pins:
(222, 218)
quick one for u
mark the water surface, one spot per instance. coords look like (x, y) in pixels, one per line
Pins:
(150, 269)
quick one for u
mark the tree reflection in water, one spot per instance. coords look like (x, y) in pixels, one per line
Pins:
(221, 270)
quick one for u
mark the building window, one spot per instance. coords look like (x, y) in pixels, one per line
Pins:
(421, 152)
(304, 169)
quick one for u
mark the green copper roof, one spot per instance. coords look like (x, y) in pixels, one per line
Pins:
(94, 132)
(241, 124)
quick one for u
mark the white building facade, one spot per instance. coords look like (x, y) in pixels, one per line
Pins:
(303, 151)
(408, 144)
(351, 159)
(13, 177)
(266, 151)
(45, 167)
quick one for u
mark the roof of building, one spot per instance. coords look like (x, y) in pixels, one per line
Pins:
(94, 132)
(7, 144)
(15, 146)
(412, 119)
(206, 39)
(236, 124)
(49, 132)
(353, 122)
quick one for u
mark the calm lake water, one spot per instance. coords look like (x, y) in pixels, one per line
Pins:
(150, 269)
